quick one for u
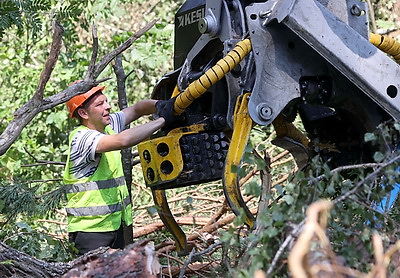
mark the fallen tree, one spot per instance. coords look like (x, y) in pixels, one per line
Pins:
(136, 260)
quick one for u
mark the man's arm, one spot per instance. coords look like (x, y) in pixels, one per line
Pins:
(139, 109)
(128, 137)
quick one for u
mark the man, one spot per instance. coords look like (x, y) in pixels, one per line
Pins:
(98, 199)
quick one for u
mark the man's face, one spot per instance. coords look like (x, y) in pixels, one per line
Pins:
(98, 112)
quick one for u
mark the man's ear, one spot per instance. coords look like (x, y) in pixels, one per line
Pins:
(82, 113)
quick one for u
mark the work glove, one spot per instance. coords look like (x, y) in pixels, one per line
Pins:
(165, 109)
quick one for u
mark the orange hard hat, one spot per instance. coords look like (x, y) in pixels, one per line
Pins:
(78, 100)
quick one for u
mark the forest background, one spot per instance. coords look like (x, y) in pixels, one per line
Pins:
(32, 218)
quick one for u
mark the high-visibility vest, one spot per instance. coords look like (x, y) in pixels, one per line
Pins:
(98, 203)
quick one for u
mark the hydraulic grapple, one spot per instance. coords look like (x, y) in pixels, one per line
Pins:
(239, 63)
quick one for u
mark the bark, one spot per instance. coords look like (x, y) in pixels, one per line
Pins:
(127, 157)
(14, 263)
(37, 103)
(136, 260)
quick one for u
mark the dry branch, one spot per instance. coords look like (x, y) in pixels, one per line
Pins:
(307, 262)
(317, 215)
(18, 264)
(156, 226)
(28, 111)
(37, 104)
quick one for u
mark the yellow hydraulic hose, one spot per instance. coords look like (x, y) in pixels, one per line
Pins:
(386, 44)
(211, 76)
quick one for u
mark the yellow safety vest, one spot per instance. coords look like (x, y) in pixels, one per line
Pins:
(98, 203)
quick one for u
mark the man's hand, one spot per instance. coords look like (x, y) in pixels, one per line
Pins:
(165, 109)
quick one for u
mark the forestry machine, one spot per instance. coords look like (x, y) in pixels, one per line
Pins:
(240, 63)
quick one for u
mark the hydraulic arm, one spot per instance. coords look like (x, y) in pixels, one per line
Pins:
(240, 63)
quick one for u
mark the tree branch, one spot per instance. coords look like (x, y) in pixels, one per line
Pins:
(29, 110)
(94, 53)
(55, 48)
(109, 57)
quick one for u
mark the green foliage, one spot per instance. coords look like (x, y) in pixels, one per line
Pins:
(23, 199)
(34, 240)
(24, 15)
(20, 207)
(31, 190)
(354, 217)
(386, 17)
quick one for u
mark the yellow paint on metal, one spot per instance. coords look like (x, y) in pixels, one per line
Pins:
(175, 92)
(168, 219)
(188, 129)
(156, 153)
(242, 124)
(284, 128)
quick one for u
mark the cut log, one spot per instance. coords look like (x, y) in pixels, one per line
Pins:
(136, 260)
(14, 263)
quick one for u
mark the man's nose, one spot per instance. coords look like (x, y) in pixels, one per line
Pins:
(107, 106)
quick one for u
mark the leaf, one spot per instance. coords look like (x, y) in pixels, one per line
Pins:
(23, 226)
(234, 168)
(288, 199)
(368, 137)
(378, 156)
(290, 187)
(7, 262)
(272, 232)
(152, 210)
(277, 216)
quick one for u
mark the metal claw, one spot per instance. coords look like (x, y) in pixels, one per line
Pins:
(242, 124)
(292, 139)
(168, 219)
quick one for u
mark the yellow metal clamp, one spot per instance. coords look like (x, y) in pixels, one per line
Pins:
(386, 44)
(291, 139)
(211, 76)
(161, 157)
(168, 219)
(242, 124)
(284, 128)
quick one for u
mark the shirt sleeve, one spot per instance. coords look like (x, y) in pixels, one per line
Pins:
(118, 121)
(84, 160)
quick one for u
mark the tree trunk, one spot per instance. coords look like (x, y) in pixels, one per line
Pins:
(126, 153)
(136, 260)
(14, 263)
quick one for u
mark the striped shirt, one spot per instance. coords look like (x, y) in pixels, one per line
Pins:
(84, 159)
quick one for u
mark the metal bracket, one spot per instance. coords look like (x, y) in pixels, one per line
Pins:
(327, 42)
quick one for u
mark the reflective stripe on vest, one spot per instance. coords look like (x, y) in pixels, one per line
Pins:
(94, 185)
(100, 202)
(98, 210)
